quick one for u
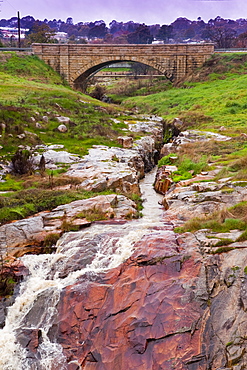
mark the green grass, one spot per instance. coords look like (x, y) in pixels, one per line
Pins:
(216, 102)
(121, 89)
(30, 88)
(11, 184)
(213, 224)
(29, 66)
(165, 161)
(186, 167)
(24, 203)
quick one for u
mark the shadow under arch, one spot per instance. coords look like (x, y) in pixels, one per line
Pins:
(80, 83)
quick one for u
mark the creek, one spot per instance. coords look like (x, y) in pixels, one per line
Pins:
(80, 255)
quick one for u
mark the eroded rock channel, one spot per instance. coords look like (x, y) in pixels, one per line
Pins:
(131, 294)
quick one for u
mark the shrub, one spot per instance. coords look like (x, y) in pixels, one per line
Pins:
(50, 243)
(42, 165)
(189, 165)
(22, 162)
(8, 279)
(222, 250)
(166, 160)
(242, 237)
(51, 239)
(239, 210)
(98, 92)
(239, 164)
(223, 241)
(92, 215)
(187, 168)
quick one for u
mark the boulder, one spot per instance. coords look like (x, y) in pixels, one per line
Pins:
(162, 180)
(53, 157)
(27, 235)
(63, 120)
(62, 128)
(21, 136)
(18, 234)
(126, 141)
(38, 125)
(45, 119)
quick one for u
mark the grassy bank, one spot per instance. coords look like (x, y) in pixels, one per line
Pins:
(214, 96)
(32, 95)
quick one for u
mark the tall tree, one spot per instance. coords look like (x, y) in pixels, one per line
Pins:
(98, 31)
(142, 35)
(222, 35)
(41, 33)
(165, 33)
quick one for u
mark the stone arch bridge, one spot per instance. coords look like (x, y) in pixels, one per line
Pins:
(76, 62)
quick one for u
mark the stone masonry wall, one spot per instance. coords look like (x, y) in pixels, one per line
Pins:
(73, 61)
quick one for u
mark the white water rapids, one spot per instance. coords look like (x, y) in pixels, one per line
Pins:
(92, 250)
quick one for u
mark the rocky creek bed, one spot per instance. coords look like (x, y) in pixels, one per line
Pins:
(135, 294)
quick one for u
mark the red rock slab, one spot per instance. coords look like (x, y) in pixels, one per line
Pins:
(142, 314)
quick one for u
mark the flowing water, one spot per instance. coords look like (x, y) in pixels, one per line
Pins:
(79, 254)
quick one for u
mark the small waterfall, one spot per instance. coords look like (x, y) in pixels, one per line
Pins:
(152, 211)
(79, 254)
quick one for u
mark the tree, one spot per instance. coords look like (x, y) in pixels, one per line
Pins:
(27, 22)
(222, 36)
(140, 69)
(69, 21)
(165, 33)
(140, 36)
(41, 33)
(189, 33)
(241, 41)
(98, 31)
(115, 26)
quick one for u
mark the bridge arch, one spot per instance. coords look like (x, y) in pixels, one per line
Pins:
(78, 61)
(92, 69)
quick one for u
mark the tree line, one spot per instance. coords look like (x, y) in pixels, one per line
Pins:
(225, 33)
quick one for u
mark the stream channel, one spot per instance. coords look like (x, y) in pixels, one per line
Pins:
(81, 254)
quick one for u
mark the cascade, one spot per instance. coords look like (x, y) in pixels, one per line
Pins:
(81, 254)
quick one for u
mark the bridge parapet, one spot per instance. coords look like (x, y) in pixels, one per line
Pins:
(76, 62)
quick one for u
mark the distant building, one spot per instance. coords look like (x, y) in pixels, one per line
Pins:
(61, 36)
(157, 42)
(12, 32)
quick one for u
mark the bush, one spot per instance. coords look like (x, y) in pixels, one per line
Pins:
(166, 160)
(187, 168)
(223, 250)
(242, 237)
(8, 279)
(50, 242)
(98, 92)
(22, 162)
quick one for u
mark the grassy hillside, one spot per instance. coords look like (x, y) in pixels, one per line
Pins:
(32, 95)
(212, 97)
(30, 90)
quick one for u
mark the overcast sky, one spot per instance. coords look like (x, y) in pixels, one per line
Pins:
(142, 11)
